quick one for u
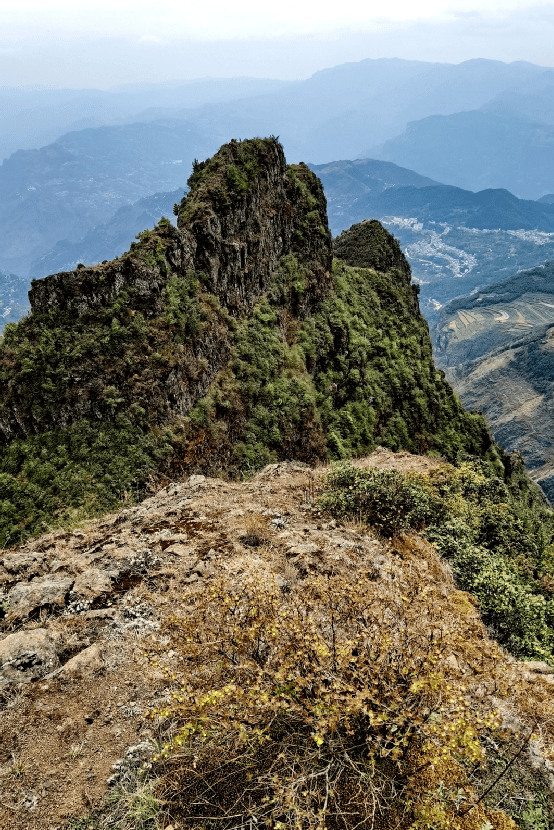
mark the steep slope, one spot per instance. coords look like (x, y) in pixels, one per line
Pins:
(345, 183)
(217, 347)
(454, 239)
(497, 349)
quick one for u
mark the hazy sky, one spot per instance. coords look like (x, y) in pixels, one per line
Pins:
(101, 43)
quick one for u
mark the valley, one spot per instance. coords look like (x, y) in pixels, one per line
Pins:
(449, 261)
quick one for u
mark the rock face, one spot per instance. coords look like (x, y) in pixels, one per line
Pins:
(247, 209)
(171, 298)
(233, 228)
(47, 590)
(27, 655)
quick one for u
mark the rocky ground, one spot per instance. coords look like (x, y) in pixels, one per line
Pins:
(81, 607)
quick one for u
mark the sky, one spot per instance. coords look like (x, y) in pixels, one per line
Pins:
(101, 43)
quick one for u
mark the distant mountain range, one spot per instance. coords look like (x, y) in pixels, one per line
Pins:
(63, 190)
(336, 113)
(507, 142)
(454, 239)
(66, 188)
(31, 118)
(366, 188)
(479, 149)
(110, 239)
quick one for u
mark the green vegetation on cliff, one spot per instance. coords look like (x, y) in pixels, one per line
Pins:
(218, 348)
(498, 539)
(356, 373)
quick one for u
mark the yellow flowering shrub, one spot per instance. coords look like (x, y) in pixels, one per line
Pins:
(334, 704)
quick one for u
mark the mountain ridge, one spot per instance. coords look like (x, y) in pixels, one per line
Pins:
(326, 615)
(126, 354)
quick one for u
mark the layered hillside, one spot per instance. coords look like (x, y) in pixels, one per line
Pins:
(497, 349)
(217, 347)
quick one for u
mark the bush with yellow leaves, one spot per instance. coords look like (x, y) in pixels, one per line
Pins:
(335, 704)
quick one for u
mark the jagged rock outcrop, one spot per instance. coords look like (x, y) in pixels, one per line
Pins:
(217, 347)
(246, 209)
(168, 300)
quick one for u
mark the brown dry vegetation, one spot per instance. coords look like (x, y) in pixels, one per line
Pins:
(384, 700)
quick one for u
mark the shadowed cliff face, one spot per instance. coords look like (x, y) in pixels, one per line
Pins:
(153, 327)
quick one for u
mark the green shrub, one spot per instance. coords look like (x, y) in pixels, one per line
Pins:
(386, 499)
(63, 477)
(482, 529)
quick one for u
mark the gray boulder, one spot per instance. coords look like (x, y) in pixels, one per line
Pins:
(26, 597)
(27, 655)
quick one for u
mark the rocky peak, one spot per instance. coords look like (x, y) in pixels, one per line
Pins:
(369, 245)
(152, 328)
(245, 210)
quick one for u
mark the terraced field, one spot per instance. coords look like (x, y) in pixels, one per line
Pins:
(449, 261)
(468, 333)
(497, 349)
